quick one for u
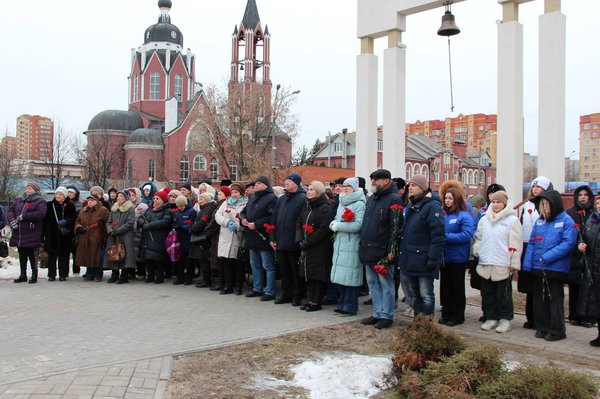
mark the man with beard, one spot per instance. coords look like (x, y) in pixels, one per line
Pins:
(381, 225)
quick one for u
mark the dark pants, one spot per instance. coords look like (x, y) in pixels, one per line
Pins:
(348, 301)
(452, 291)
(205, 271)
(63, 264)
(185, 270)
(316, 291)
(233, 271)
(496, 297)
(291, 284)
(155, 271)
(548, 307)
(524, 286)
(27, 254)
(573, 299)
(140, 269)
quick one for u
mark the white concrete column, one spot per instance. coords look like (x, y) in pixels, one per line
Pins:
(551, 124)
(394, 106)
(510, 109)
(366, 111)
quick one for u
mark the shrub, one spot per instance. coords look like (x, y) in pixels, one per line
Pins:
(424, 342)
(535, 382)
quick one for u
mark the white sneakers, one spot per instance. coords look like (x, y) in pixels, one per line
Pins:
(489, 324)
(503, 326)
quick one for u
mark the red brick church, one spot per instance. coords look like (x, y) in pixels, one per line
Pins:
(163, 135)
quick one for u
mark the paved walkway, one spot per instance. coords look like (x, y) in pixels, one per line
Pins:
(87, 340)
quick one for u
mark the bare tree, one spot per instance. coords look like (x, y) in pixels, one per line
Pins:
(62, 152)
(241, 130)
(100, 156)
(9, 168)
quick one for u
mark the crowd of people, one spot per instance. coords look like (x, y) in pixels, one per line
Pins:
(331, 245)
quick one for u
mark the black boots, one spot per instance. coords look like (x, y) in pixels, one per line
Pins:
(34, 275)
(23, 277)
(114, 276)
(124, 277)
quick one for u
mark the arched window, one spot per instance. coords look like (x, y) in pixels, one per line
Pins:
(464, 176)
(154, 86)
(475, 177)
(184, 169)
(152, 169)
(470, 177)
(416, 170)
(136, 88)
(199, 162)
(408, 171)
(178, 88)
(214, 171)
(425, 171)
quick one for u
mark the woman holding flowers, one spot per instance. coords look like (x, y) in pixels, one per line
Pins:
(91, 227)
(457, 249)
(314, 239)
(498, 245)
(548, 258)
(588, 305)
(347, 271)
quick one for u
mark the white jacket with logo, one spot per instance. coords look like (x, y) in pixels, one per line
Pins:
(529, 216)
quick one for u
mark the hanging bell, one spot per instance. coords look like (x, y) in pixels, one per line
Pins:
(448, 27)
(242, 67)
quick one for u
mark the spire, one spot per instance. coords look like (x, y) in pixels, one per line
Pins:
(251, 17)
(267, 30)
(165, 7)
(235, 31)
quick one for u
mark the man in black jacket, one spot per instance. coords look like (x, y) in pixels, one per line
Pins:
(254, 216)
(283, 238)
(378, 238)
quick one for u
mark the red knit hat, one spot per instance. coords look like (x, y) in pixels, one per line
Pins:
(225, 190)
(163, 194)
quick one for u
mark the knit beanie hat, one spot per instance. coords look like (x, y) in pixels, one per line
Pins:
(237, 187)
(147, 187)
(318, 186)
(420, 181)
(125, 193)
(225, 190)
(340, 180)
(181, 200)
(541, 181)
(499, 196)
(353, 181)
(187, 186)
(174, 193)
(36, 187)
(208, 197)
(296, 178)
(62, 190)
(140, 209)
(264, 180)
(97, 188)
(162, 194)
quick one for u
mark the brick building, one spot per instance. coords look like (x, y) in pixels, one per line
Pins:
(589, 148)
(477, 131)
(162, 134)
(35, 137)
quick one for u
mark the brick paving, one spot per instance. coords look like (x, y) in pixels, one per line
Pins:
(81, 340)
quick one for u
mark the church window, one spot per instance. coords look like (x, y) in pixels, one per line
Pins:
(178, 88)
(154, 86)
(184, 169)
(214, 171)
(136, 88)
(199, 162)
(129, 173)
(152, 169)
(233, 169)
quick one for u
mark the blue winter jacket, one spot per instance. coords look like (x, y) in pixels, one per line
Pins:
(552, 241)
(459, 232)
(182, 223)
(422, 238)
(285, 216)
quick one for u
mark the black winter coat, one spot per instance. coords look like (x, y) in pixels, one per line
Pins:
(156, 225)
(212, 231)
(54, 241)
(423, 237)
(377, 233)
(580, 213)
(285, 216)
(318, 253)
(589, 293)
(259, 210)
(205, 216)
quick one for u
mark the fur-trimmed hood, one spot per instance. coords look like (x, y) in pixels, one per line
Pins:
(121, 208)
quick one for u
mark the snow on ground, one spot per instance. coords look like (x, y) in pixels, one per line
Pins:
(9, 269)
(338, 376)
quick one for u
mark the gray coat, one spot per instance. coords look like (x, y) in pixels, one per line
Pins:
(121, 221)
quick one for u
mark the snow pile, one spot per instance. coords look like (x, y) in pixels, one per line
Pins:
(338, 376)
(9, 269)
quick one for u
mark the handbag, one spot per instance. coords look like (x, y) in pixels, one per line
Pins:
(64, 231)
(173, 246)
(116, 251)
(3, 249)
(198, 238)
(475, 278)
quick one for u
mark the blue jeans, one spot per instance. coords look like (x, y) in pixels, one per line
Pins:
(263, 261)
(383, 292)
(423, 295)
(409, 300)
(348, 300)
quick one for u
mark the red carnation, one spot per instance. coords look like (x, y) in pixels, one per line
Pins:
(28, 204)
(205, 218)
(396, 207)
(538, 238)
(114, 224)
(237, 215)
(380, 269)
(577, 226)
(444, 213)
(348, 215)
(580, 212)
(308, 228)
(187, 222)
(227, 210)
(530, 211)
(512, 249)
(268, 227)
(94, 225)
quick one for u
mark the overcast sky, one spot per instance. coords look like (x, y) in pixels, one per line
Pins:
(69, 59)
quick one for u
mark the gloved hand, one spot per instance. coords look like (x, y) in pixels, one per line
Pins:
(302, 245)
(114, 233)
(62, 223)
(14, 224)
(431, 265)
(333, 226)
(232, 226)
(19, 218)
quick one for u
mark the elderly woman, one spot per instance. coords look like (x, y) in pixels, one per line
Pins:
(26, 216)
(91, 227)
(120, 226)
(347, 271)
(156, 224)
(140, 265)
(200, 251)
(213, 231)
(185, 217)
(230, 236)
(58, 232)
(314, 239)
(187, 192)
